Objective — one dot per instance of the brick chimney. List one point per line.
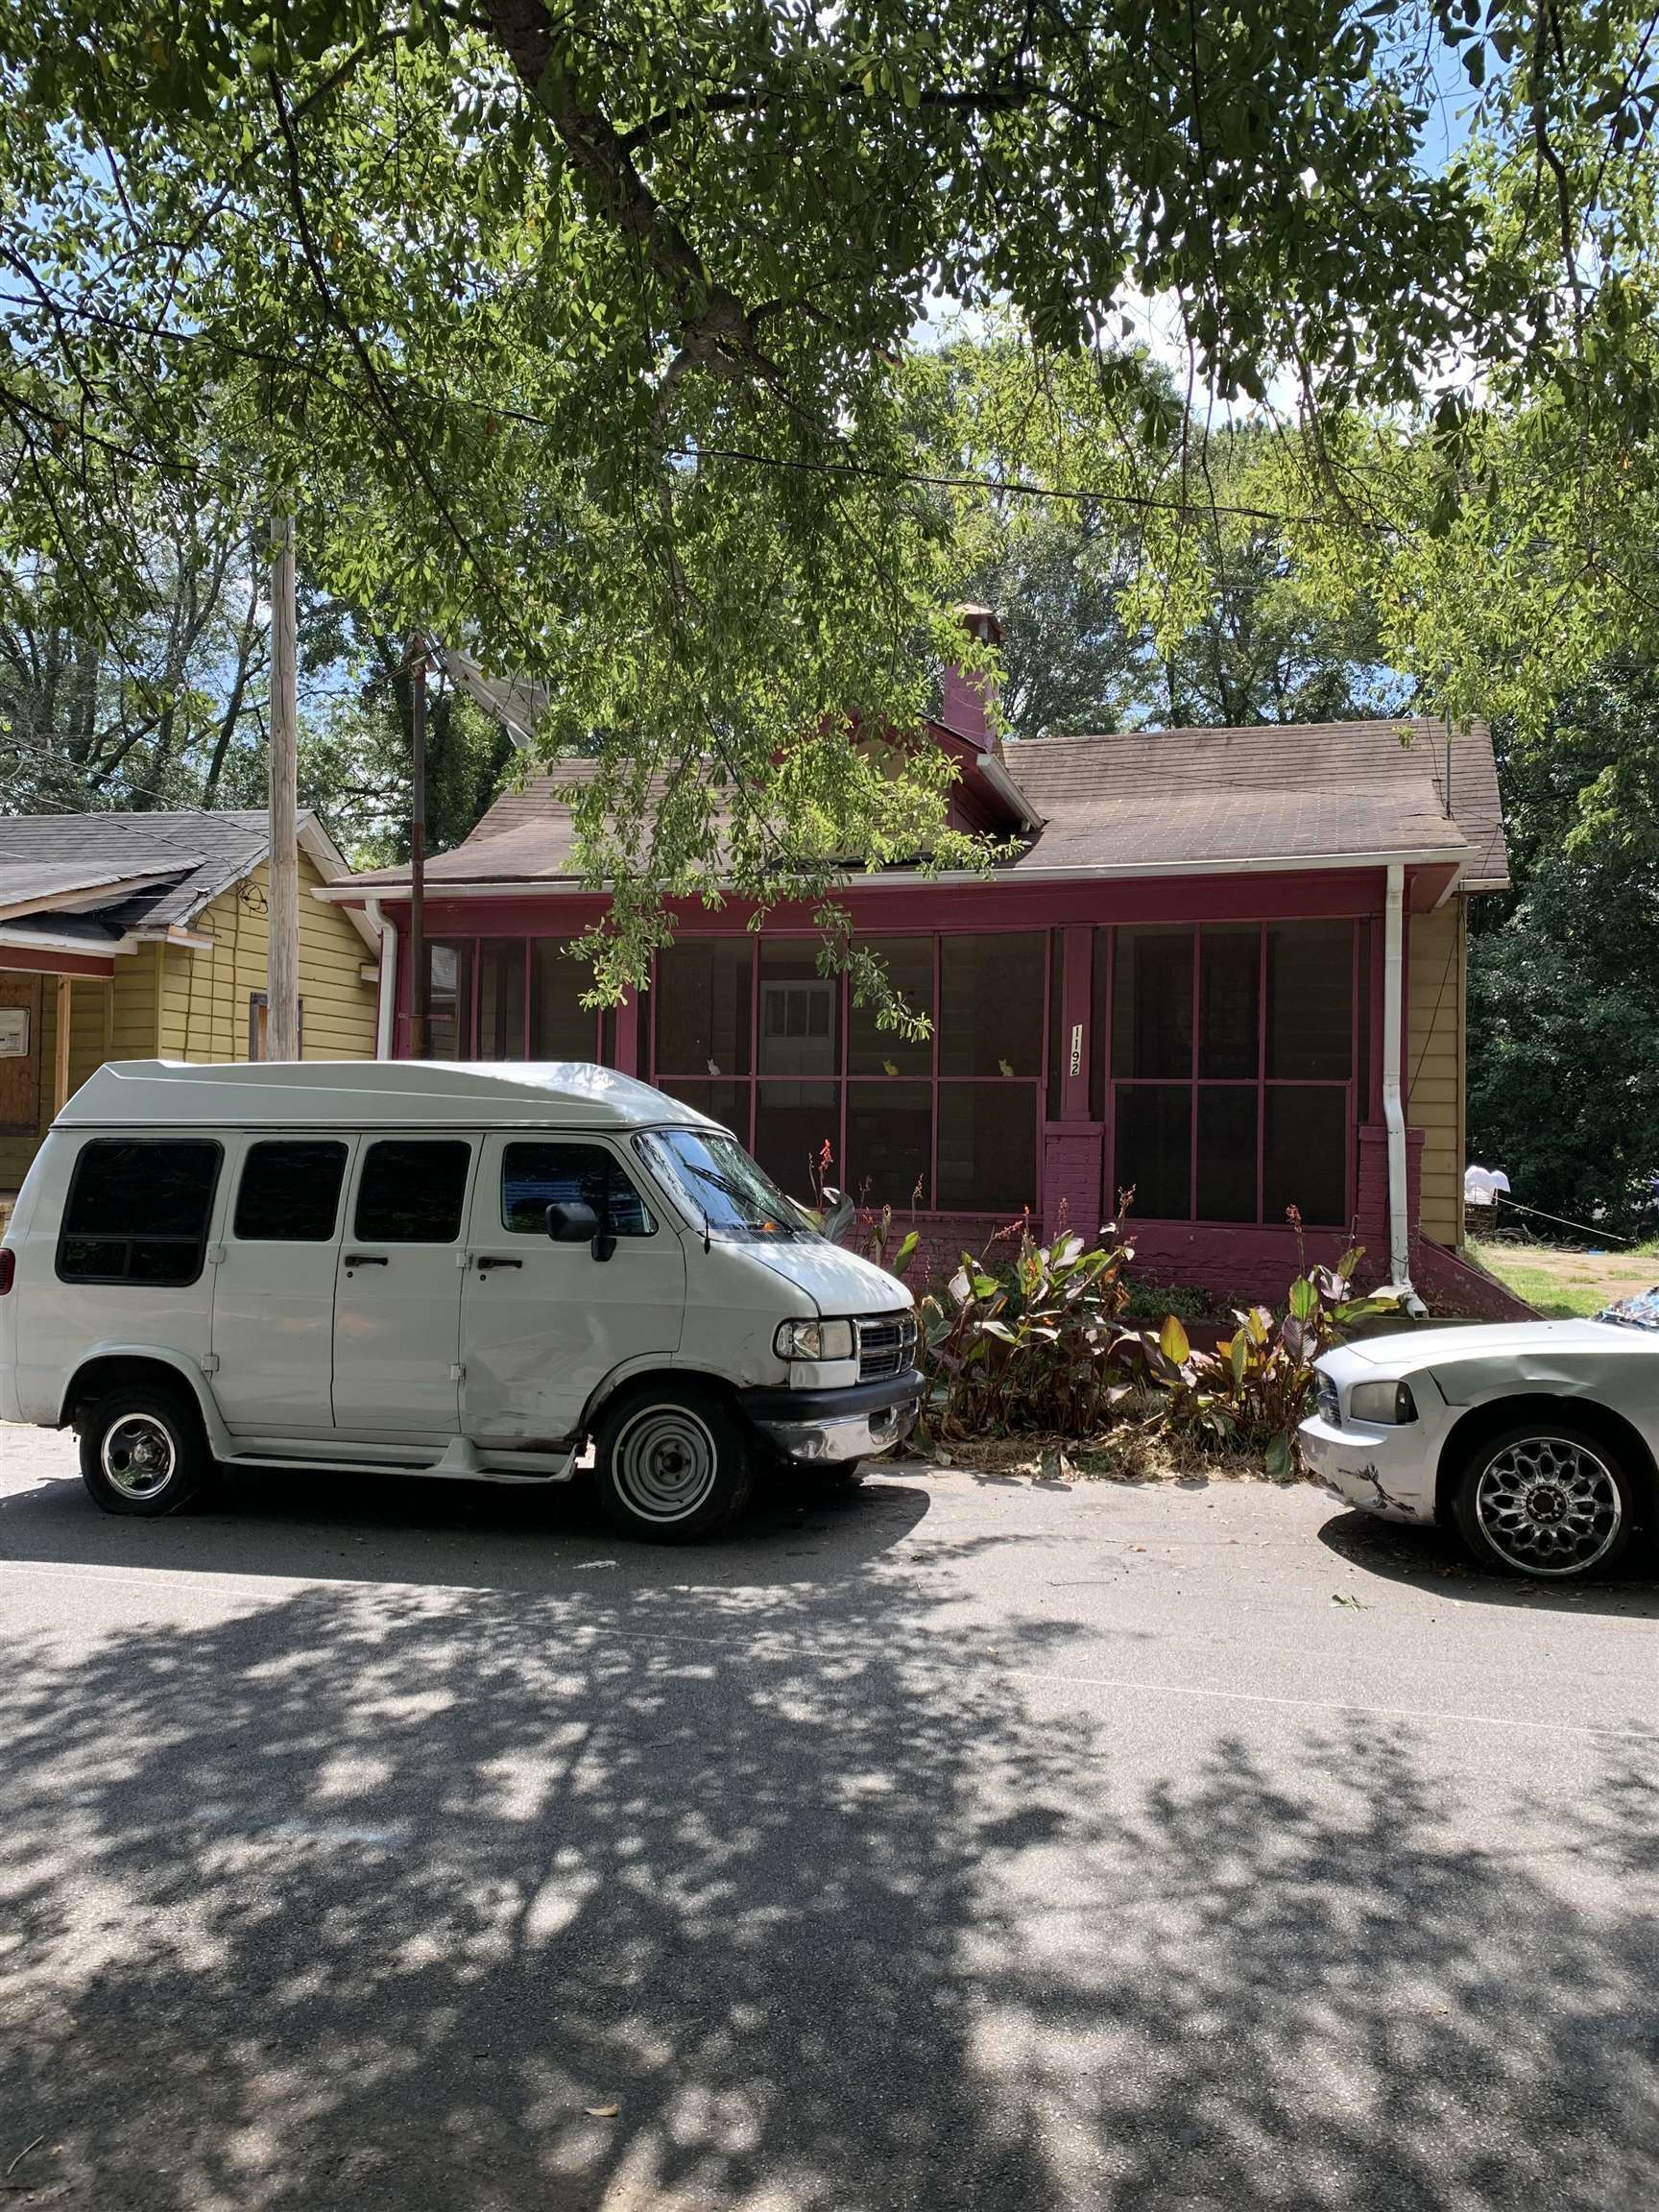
(965, 710)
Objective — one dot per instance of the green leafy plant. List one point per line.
(871, 1230)
(1258, 1384)
(1025, 1342)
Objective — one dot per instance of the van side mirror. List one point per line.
(575, 1222)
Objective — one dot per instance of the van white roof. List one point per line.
(370, 1095)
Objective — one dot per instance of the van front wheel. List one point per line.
(674, 1463)
(142, 1451)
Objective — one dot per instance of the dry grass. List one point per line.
(1563, 1285)
(1133, 1449)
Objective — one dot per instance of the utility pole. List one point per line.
(419, 982)
(282, 949)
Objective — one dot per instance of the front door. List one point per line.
(273, 1277)
(397, 1297)
(543, 1324)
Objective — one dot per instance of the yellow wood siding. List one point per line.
(171, 1002)
(1435, 1062)
(206, 995)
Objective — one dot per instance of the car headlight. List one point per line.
(1386, 1404)
(813, 1340)
(1327, 1399)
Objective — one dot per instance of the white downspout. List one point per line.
(386, 1000)
(1393, 1100)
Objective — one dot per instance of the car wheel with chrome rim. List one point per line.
(673, 1463)
(142, 1451)
(1546, 1500)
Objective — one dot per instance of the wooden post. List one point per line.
(419, 980)
(65, 1020)
(282, 949)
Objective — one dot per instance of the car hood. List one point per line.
(1529, 1351)
(1412, 1350)
(836, 1281)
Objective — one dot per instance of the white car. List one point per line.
(1536, 1440)
(424, 1268)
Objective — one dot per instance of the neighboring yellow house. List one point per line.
(143, 936)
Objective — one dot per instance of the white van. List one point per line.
(428, 1268)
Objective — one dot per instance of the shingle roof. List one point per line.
(1161, 799)
(181, 861)
(1089, 787)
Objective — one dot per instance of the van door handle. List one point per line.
(365, 1259)
(489, 1261)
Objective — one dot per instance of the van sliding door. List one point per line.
(397, 1290)
(274, 1285)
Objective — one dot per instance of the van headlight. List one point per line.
(1385, 1404)
(814, 1340)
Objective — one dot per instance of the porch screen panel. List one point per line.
(992, 1067)
(991, 1003)
(702, 1007)
(1304, 1159)
(1241, 1042)
(450, 998)
(1228, 1117)
(1309, 1001)
(1154, 1156)
(798, 1060)
(727, 1103)
(501, 985)
(986, 1147)
(561, 1026)
(889, 1146)
(752, 1033)
(1152, 1004)
(1311, 988)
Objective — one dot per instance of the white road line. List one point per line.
(1141, 1688)
(252, 1586)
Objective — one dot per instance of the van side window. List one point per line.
(411, 1191)
(290, 1190)
(138, 1210)
(537, 1176)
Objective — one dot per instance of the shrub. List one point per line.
(1258, 1384)
(1025, 1342)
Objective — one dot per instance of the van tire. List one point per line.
(143, 1449)
(673, 1463)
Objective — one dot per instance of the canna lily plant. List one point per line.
(1258, 1384)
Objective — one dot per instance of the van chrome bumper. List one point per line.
(835, 1426)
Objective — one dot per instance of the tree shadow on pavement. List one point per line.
(391, 1530)
(365, 1893)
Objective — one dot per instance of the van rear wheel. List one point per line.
(142, 1451)
(674, 1464)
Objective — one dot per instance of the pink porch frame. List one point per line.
(1074, 1150)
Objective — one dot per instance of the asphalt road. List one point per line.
(975, 1844)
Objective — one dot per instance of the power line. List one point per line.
(504, 411)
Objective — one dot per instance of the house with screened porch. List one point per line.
(1223, 969)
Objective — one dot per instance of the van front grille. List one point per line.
(886, 1345)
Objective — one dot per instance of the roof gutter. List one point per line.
(1276, 864)
(1008, 791)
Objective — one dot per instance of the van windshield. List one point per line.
(721, 1187)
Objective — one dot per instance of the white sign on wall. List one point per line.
(13, 1032)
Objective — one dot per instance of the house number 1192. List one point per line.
(1076, 1048)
